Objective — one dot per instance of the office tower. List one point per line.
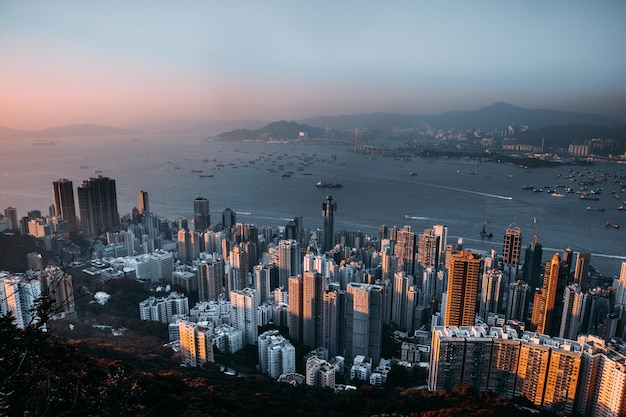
(581, 271)
(512, 244)
(572, 312)
(229, 219)
(143, 203)
(243, 313)
(567, 260)
(97, 200)
(57, 286)
(620, 294)
(294, 229)
(462, 290)
(401, 283)
(64, 205)
(289, 262)
(517, 301)
(210, 273)
(314, 285)
(532, 264)
(363, 321)
(491, 297)
(441, 231)
(201, 216)
(328, 214)
(545, 299)
(196, 343)
(428, 249)
(188, 245)
(295, 293)
(405, 249)
(10, 213)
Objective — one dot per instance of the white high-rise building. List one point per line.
(20, 295)
(289, 262)
(243, 313)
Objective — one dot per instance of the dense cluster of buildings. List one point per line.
(510, 322)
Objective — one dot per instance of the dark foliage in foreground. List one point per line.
(42, 375)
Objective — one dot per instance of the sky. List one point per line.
(125, 62)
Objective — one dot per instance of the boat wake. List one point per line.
(245, 213)
(502, 197)
(408, 216)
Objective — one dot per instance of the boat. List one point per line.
(285, 174)
(588, 197)
(485, 233)
(196, 170)
(558, 195)
(589, 208)
(613, 225)
(97, 171)
(322, 184)
(412, 174)
(621, 208)
(205, 175)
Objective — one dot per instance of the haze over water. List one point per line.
(456, 193)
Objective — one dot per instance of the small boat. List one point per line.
(412, 174)
(322, 184)
(285, 174)
(588, 197)
(205, 175)
(196, 170)
(613, 225)
(589, 208)
(485, 233)
(621, 208)
(558, 195)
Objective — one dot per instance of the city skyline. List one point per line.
(120, 64)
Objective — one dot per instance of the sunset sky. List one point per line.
(123, 62)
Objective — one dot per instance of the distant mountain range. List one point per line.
(540, 122)
(65, 131)
(497, 116)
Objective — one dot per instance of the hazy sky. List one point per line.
(121, 62)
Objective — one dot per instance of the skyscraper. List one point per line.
(581, 271)
(328, 213)
(512, 244)
(229, 219)
(314, 285)
(363, 321)
(97, 200)
(243, 314)
(572, 312)
(201, 216)
(289, 262)
(295, 291)
(463, 279)
(11, 215)
(64, 205)
(143, 204)
(620, 296)
(532, 264)
(491, 295)
(544, 300)
(428, 249)
(405, 249)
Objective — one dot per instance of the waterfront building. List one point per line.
(97, 201)
(143, 203)
(64, 204)
(512, 245)
(328, 216)
(201, 216)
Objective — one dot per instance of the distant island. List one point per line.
(65, 131)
